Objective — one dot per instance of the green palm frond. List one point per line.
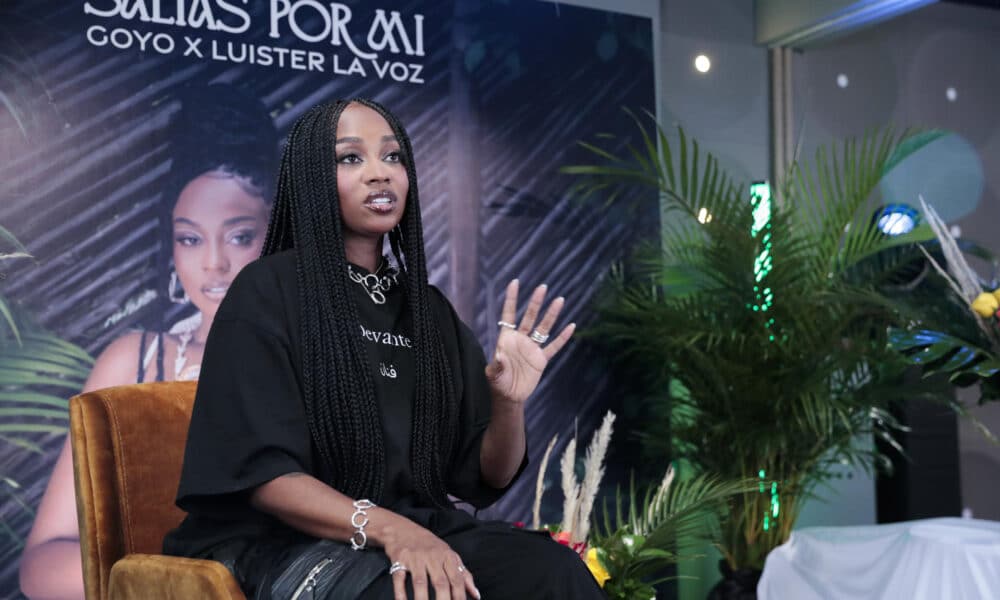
(38, 372)
(837, 193)
(8, 242)
(937, 352)
(638, 537)
(7, 239)
(8, 320)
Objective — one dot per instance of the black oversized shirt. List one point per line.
(249, 425)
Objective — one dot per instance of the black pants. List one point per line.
(509, 563)
(506, 563)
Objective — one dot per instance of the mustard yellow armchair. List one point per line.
(128, 446)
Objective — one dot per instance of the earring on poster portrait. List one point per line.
(172, 290)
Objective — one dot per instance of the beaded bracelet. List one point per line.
(359, 539)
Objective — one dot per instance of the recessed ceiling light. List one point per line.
(702, 63)
(951, 94)
(842, 81)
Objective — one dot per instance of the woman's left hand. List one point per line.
(523, 350)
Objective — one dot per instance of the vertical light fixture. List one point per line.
(760, 228)
(760, 200)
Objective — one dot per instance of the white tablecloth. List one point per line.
(932, 559)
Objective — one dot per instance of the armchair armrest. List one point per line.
(158, 577)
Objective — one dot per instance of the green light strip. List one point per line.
(771, 515)
(760, 199)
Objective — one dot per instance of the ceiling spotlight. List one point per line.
(702, 63)
(842, 81)
(956, 231)
(704, 216)
(896, 219)
(951, 94)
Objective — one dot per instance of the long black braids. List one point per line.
(341, 408)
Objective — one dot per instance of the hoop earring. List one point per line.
(172, 290)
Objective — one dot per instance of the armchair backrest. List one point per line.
(128, 447)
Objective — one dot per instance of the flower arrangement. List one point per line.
(628, 549)
(967, 349)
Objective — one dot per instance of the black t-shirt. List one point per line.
(249, 425)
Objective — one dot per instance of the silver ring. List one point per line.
(539, 337)
(396, 568)
(461, 568)
(506, 324)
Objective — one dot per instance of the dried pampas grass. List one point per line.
(962, 278)
(578, 497)
(536, 510)
(570, 487)
(593, 473)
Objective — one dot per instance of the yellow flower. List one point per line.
(985, 304)
(996, 294)
(596, 568)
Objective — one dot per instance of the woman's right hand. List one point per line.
(429, 563)
(313, 507)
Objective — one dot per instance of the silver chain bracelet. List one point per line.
(359, 539)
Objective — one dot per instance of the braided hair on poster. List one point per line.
(222, 130)
(341, 409)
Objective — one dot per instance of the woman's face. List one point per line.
(219, 227)
(371, 178)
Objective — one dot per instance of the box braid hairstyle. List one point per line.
(341, 409)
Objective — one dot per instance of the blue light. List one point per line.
(897, 219)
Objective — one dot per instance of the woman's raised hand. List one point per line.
(524, 349)
(429, 562)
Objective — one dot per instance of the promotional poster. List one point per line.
(110, 108)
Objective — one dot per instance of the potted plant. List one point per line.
(765, 318)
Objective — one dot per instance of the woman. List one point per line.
(219, 199)
(342, 401)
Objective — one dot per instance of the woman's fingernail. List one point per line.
(544, 286)
(478, 595)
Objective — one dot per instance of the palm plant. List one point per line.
(768, 317)
(38, 372)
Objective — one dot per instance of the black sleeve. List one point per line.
(248, 425)
(469, 363)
